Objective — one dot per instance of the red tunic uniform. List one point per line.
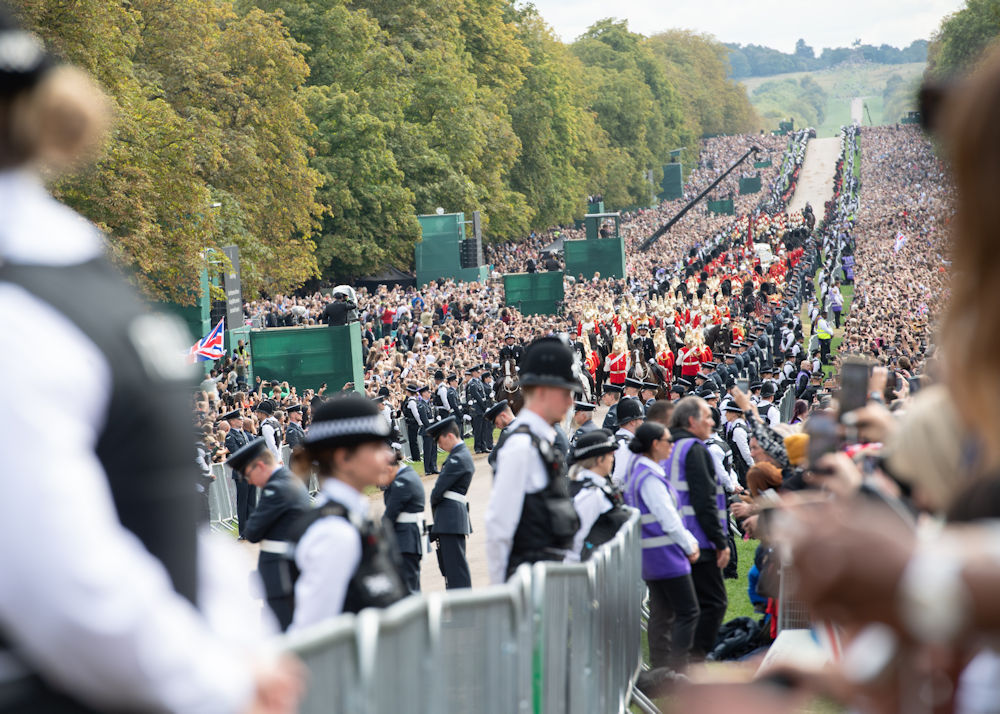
(617, 368)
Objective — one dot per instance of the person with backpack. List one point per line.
(668, 550)
(346, 561)
(597, 502)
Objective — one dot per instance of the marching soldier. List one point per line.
(450, 505)
(294, 433)
(346, 561)
(404, 514)
(531, 516)
(583, 419)
(283, 500)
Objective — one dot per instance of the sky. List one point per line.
(772, 23)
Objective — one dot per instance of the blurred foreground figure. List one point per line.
(99, 607)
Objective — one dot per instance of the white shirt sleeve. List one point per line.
(514, 462)
(740, 439)
(718, 463)
(414, 411)
(589, 503)
(83, 601)
(327, 556)
(660, 504)
(623, 456)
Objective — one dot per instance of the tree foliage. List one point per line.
(311, 133)
(758, 61)
(963, 38)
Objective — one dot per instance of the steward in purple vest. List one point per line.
(702, 504)
(667, 550)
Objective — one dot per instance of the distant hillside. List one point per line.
(758, 61)
(823, 98)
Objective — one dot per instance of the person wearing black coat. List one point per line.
(450, 505)
(283, 499)
(246, 495)
(404, 514)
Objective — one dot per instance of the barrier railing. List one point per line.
(554, 639)
(787, 405)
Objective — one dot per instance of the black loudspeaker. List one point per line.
(471, 253)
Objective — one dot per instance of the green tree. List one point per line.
(963, 38)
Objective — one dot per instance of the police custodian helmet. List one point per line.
(549, 362)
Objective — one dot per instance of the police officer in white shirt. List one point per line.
(102, 563)
(530, 516)
(630, 417)
(346, 561)
(765, 406)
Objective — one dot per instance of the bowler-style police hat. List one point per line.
(346, 420)
(594, 443)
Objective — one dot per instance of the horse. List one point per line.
(508, 387)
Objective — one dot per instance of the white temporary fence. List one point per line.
(554, 639)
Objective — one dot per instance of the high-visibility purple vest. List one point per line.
(678, 479)
(662, 558)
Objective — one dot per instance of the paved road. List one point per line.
(857, 110)
(816, 180)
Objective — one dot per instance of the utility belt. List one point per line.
(418, 520)
(277, 547)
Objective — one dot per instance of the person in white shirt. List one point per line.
(344, 558)
(530, 517)
(630, 416)
(593, 494)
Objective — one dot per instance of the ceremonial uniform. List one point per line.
(478, 404)
(246, 495)
(430, 448)
(450, 508)
(294, 434)
(404, 514)
(514, 352)
(616, 365)
(587, 427)
(282, 501)
(611, 418)
(411, 415)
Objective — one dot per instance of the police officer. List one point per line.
(768, 412)
(270, 429)
(644, 342)
(426, 415)
(454, 402)
(530, 517)
(583, 419)
(648, 395)
(449, 504)
(246, 495)
(346, 561)
(283, 500)
(404, 515)
(440, 399)
(294, 433)
(630, 417)
(511, 350)
(478, 404)
(411, 415)
(100, 545)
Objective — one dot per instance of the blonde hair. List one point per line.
(972, 330)
(59, 122)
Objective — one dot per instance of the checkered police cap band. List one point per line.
(374, 425)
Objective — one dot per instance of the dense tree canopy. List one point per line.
(759, 61)
(311, 133)
(963, 38)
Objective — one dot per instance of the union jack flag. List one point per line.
(210, 347)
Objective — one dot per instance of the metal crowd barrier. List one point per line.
(554, 639)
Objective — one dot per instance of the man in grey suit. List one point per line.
(449, 504)
(404, 513)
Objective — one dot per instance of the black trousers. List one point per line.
(283, 609)
(409, 570)
(413, 436)
(836, 318)
(487, 434)
(430, 455)
(477, 432)
(451, 557)
(246, 502)
(824, 350)
(712, 601)
(673, 616)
